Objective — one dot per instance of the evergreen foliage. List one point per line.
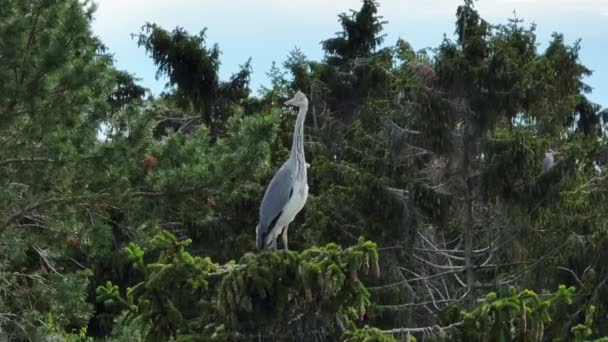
(130, 217)
(273, 294)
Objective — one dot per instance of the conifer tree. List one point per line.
(125, 217)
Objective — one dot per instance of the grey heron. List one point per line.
(549, 160)
(288, 190)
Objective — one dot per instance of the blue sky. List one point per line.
(267, 30)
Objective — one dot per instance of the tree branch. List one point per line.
(406, 305)
(18, 215)
(163, 193)
(50, 201)
(431, 329)
(24, 160)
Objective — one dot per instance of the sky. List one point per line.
(266, 30)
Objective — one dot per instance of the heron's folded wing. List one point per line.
(547, 164)
(277, 194)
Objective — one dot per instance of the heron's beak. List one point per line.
(290, 102)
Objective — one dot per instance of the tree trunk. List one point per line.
(468, 218)
(208, 117)
(312, 104)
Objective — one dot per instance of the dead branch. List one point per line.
(406, 305)
(50, 201)
(25, 160)
(42, 255)
(431, 329)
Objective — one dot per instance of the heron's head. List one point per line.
(298, 100)
(551, 152)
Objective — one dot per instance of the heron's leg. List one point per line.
(273, 244)
(284, 235)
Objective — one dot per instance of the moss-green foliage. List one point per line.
(515, 316)
(268, 293)
(510, 316)
(163, 301)
(582, 331)
(53, 331)
(369, 334)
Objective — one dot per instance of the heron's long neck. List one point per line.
(297, 146)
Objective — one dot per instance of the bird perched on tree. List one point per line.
(549, 160)
(288, 190)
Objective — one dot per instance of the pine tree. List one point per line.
(55, 81)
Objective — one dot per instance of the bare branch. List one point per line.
(418, 278)
(443, 267)
(50, 201)
(42, 255)
(410, 331)
(25, 160)
(406, 305)
(573, 274)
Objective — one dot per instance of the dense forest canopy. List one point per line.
(130, 217)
